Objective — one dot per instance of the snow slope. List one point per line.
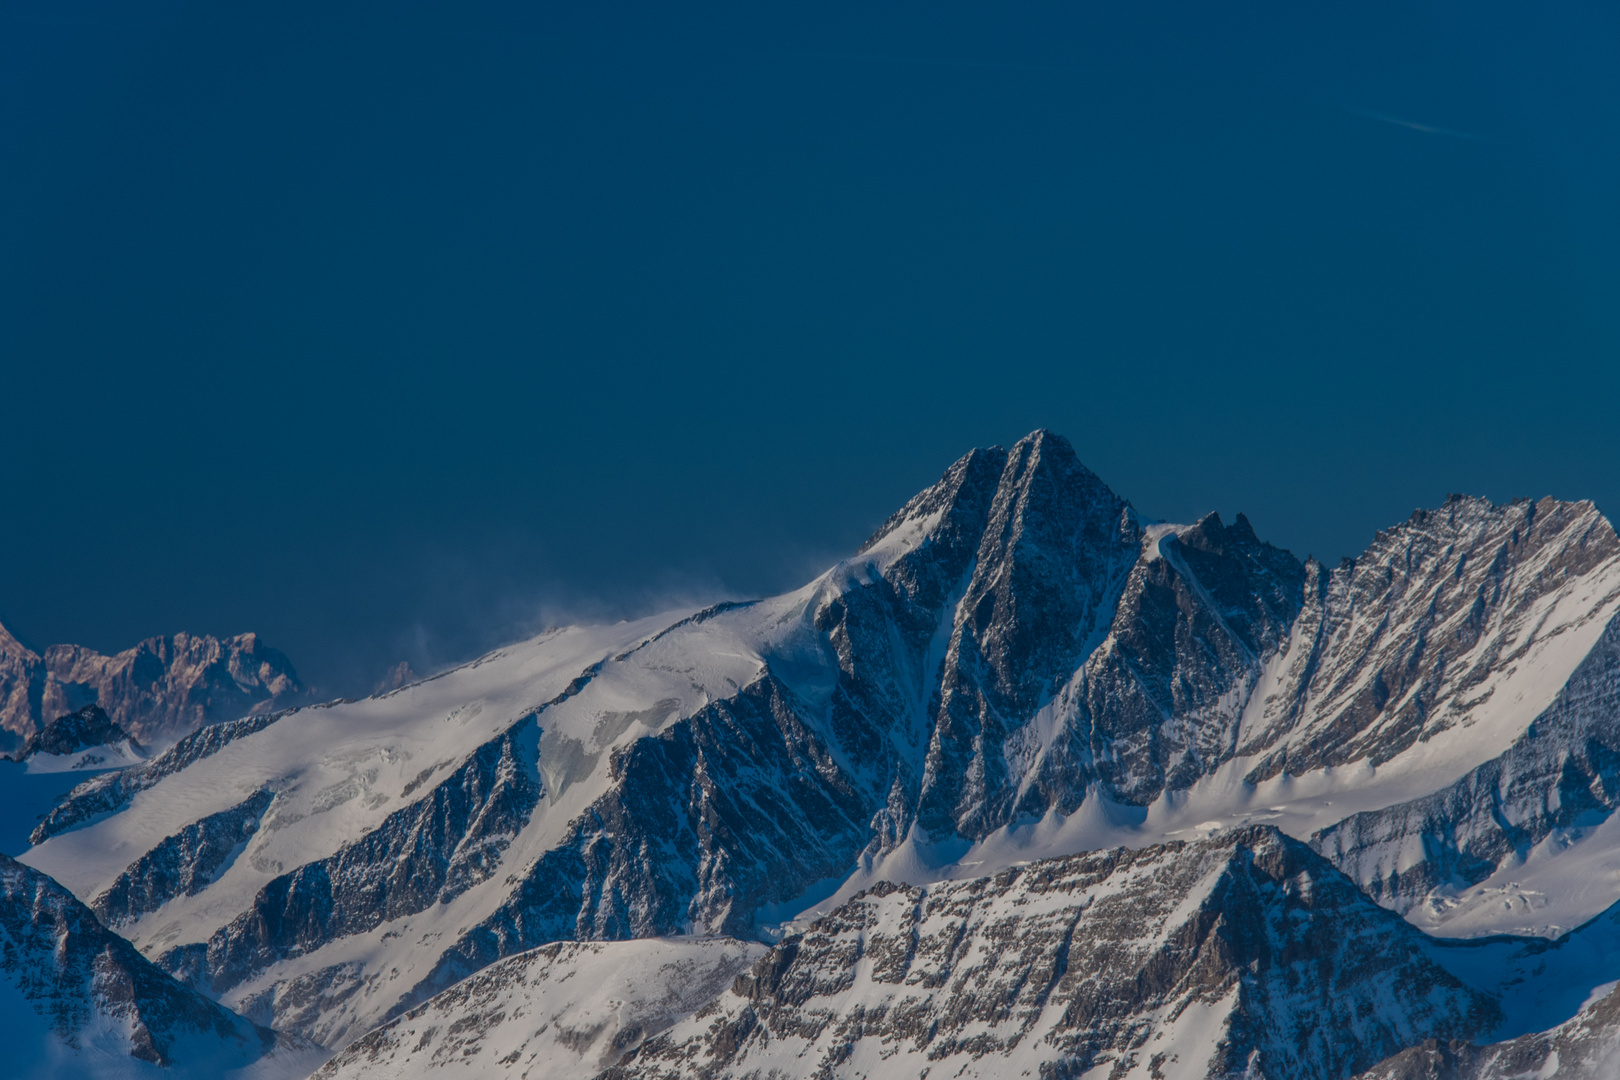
(558, 1012)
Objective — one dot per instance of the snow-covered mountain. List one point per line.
(79, 1001)
(1242, 955)
(1016, 667)
(159, 690)
(83, 741)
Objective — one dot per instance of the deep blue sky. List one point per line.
(394, 331)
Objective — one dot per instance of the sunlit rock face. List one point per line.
(161, 689)
(1410, 639)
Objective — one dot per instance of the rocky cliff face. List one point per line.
(158, 691)
(1051, 561)
(81, 1001)
(183, 864)
(1158, 704)
(1415, 638)
(1560, 776)
(424, 854)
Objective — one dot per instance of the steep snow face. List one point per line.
(559, 1012)
(76, 1000)
(156, 692)
(1441, 642)
(1247, 952)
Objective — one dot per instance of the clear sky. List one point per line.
(394, 330)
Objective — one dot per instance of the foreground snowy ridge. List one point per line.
(1242, 955)
(1015, 667)
(79, 1001)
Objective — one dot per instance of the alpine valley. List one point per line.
(1028, 786)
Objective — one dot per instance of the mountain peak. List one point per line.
(967, 483)
(1057, 548)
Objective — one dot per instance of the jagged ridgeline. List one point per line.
(156, 692)
(1017, 664)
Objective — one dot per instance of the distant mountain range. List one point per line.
(163, 688)
(1028, 785)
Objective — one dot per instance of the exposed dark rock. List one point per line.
(183, 864)
(70, 969)
(74, 732)
(1055, 554)
(425, 853)
(1563, 773)
(111, 792)
(1398, 643)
